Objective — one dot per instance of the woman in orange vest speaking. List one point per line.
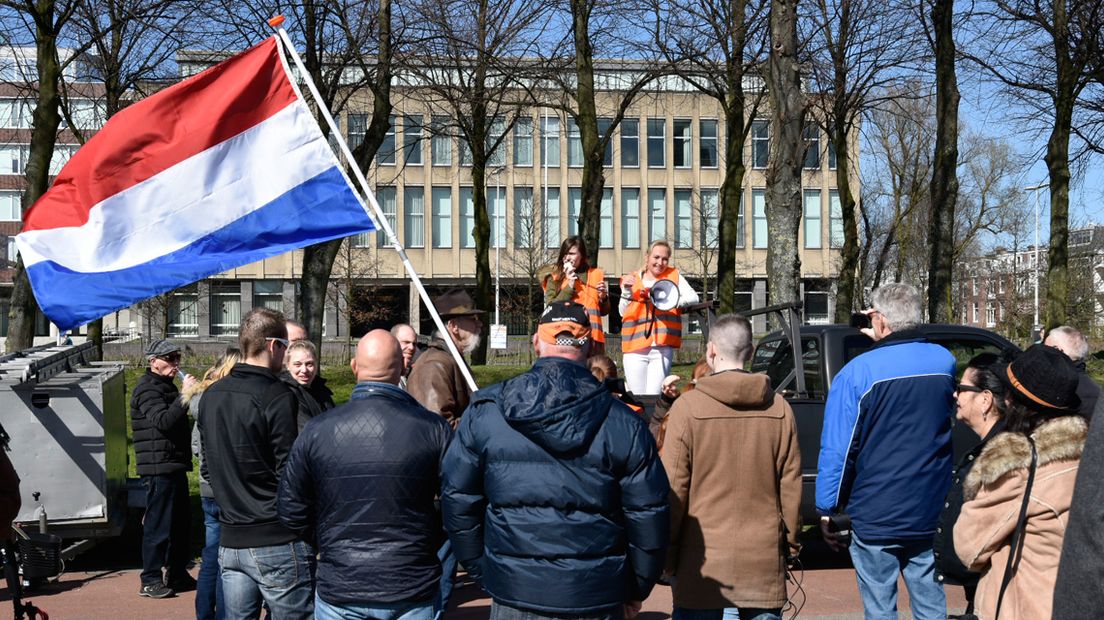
(573, 279)
(649, 336)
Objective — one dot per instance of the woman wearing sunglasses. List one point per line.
(980, 399)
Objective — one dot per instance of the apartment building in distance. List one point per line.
(663, 173)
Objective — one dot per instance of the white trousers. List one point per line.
(646, 369)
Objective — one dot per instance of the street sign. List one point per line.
(498, 336)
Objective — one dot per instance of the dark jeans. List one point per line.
(165, 526)
(505, 612)
(209, 605)
(448, 576)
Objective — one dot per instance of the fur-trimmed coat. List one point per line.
(994, 494)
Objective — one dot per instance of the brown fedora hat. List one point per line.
(456, 303)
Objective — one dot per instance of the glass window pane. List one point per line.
(525, 220)
(386, 196)
(496, 142)
(683, 143)
(442, 142)
(467, 218)
(496, 207)
(709, 217)
(386, 154)
(760, 144)
(630, 143)
(523, 141)
(836, 217)
(603, 128)
(414, 210)
(657, 214)
(605, 224)
(811, 133)
(630, 217)
(684, 223)
(574, 144)
(225, 309)
(707, 150)
(759, 217)
(412, 139)
(812, 218)
(550, 141)
(442, 217)
(574, 207)
(552, 217)
(657, 128)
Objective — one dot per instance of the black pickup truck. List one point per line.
(824, 351)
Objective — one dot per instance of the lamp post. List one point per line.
(1036, 327)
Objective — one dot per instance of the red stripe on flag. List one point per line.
(164, 129)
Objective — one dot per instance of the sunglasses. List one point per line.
(283, 341)
(172, 358)
(962, 387)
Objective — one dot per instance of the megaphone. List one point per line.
(665, 295)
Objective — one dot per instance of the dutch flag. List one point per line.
(225, 168)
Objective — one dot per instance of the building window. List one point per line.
(758, 218)
(811, 133)
(683, 143)
(268, 294)
(657, 214)
(496, 208)
(356, 129)
(550, 141)
(741, 233)
(812, 219)
(184, 312)
(552, 217)
(990, 314)
(831, 155)
(604, 125)
(816, 307)
(525, 220)
(10, 210)
(974, 288)
(465, 152)
(467, 217)
(13, 251)
(574, 144)
(414, 213)
(16, 114)
(760, 144)
(225, 309)
(684, 221)
(657, 129)
(60, 157)
(574, 206)
(976, 315)
(1000, 285)
(710, 217)
(364, 240)
(441, 213)
(523, 141)
(386, 154)
(441, 146)
(412, 139)
(605, 219)
(630, 217)
(630, 143)
(707, 143)
(496, 142)
(13, 158)
(386, 196)
(835, 218)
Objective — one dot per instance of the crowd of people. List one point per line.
(563, 496)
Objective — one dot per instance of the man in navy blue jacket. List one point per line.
(554, 498)
(885, 457)
(361, 482)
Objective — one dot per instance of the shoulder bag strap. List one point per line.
(1016, 551)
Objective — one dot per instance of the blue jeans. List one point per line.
(416, 610)
(208, 603)
(877, 565)
(281, 575)
(500, 611)
(448, 575)
(728, 613)
(165, 527)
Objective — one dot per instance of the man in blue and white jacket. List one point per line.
(885, 457)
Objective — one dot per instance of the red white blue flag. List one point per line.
(225, 168)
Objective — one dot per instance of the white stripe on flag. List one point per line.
(190, 200)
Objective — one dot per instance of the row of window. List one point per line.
(87, 114)
(225, 306)
(440, 138)
(13, 158)
(643, 216)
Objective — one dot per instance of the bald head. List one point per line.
(378, 358)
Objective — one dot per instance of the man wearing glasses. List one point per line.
(162, 438)
(248, 424)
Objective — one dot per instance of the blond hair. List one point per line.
(221, 368)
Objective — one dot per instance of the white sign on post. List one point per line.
(498, 336)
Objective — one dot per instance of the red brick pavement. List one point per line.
(831, 594)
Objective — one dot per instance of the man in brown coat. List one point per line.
(732, 457)
(436, 381)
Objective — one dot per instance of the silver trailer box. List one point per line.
(66, 416)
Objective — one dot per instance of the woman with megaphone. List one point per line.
(651, 319)
(571, 278)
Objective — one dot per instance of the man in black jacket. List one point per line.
(161, 447)
(247, 422)
(361, 482)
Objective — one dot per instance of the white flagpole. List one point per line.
(276, 22)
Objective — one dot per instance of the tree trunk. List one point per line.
(484, 284)
(849, 256)
(21, 318)
(787, 150)
(594, 146)
(1057, 161)
(944, 183)
(732, 189)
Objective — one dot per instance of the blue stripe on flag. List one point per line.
(321, 209)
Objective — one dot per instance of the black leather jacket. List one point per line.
(360, 483)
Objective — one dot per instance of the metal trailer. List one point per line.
(66, 415)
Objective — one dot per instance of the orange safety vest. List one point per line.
(639, 331)
(586, 294)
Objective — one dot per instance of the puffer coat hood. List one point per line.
(553, 495)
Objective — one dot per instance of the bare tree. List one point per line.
(529, 259)
(718, 46)
(788, 104)
(858, 50)
(356, 264)
(477, 66)
(1043, 54)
